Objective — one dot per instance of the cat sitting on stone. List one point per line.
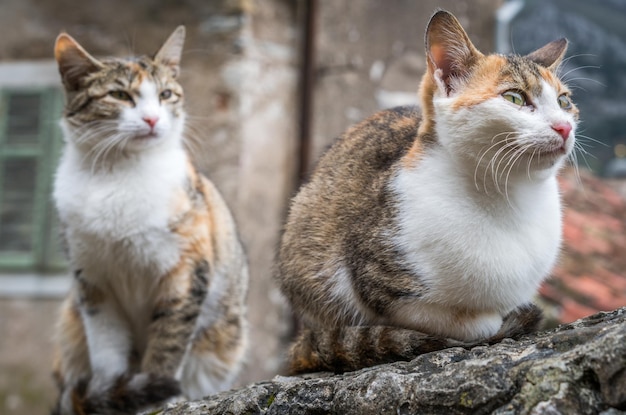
(427, 228)
(157, 308)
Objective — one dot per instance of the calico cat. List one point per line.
(430, 228)
(157, 308)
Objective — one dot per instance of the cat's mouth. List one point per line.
(559, 151)
(554, 149)
(552, 155)
(151, 135)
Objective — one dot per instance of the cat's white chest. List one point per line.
(471, 254)
(117, 221)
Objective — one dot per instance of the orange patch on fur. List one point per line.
(551, 78)
(483, 83)
(194, 227)
(412, 157)
(72, 352)
(426, 92)
(63, 43)
(141, 75)
(402, 123)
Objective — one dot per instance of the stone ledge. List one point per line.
(574, 369)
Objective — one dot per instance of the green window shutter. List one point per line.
(29, 150)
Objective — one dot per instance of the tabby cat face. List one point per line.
(127, 104)
(502, 114)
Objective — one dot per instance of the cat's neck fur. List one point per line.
(512, 193)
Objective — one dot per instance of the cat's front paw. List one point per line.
(152, 389)
(479, 327)
(126, 394)
(170, 403)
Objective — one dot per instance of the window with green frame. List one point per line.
(30, 143)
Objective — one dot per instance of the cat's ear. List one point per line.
(74, 61)
(550, 55)
(170, 53)
(450, 52)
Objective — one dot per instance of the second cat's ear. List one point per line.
(74, 61)
(550, 55)
(171, 51)
(450, 52)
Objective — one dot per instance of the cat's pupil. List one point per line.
(515, 97)
(166, 94)
(564, 102)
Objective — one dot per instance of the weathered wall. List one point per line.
(265, 81)
(25, 360)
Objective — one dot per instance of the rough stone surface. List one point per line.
(578, 368)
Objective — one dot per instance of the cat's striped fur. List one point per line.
(427, 228)
(157, 308)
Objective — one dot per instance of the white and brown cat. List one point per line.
(426, 228)
(157, 308)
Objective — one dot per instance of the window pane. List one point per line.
(23, 116)
(18, 203)
(55, 258)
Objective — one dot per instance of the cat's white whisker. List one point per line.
(483, 153)
(578, 55)
(499, 157)
(584, 153)
(595, 81)
(507, 158)
(529, 164)
(574, 162)
(101, 151)
(512, 164)
(563, 76)
(586, 137)
(578, 87)
(507, 133)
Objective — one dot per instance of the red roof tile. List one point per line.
(591, 275)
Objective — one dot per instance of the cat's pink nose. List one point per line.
(563, 128)
(151, 121)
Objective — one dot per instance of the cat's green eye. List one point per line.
(166, 94)
(564, 102)
(121, 95)
(515, 97)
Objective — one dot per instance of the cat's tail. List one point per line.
(128, 395)
(351, 348)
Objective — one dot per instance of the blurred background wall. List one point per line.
(269, 84)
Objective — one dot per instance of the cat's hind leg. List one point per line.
(71, 360)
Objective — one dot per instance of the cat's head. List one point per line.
(115, 103)
(501, 114)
